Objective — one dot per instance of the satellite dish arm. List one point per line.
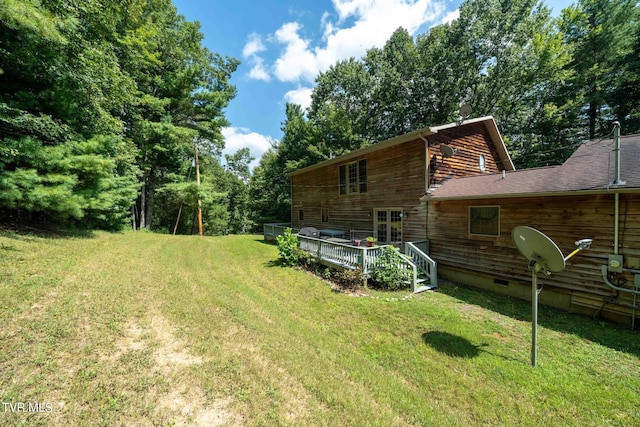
(581, 244)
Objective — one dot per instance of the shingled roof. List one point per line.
(591, 168)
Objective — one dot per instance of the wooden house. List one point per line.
(455, 186)
(378, 190)
(470, 221)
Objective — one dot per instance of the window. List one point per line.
(324, 214)
(301, 214)
(353, 177)
(484, 220)
(482, 163)
(362, 175)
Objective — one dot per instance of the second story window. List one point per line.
(353, 177)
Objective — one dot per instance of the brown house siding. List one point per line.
(496, 264)
(395, 179)
(470, 142)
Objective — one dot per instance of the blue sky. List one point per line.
(284, 44)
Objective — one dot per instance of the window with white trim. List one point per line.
(353, 177)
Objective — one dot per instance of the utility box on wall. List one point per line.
(615, 263)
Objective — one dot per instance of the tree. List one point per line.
(182, 90)
(627, 92)
(96, 95)
(269, 190)
(61, 156)
(600, 33)
(236, 182)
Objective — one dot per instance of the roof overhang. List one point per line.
(610, 190)
(419, 134)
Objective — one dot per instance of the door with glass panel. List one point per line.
(388, 225)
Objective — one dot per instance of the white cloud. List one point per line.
(258, 72)
(298, 61)
(250, 51)
(300, 96)
(373, 23)
(451, 16)
(237, 138)
(254, 45)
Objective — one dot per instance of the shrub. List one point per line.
(289, 249)
(388, 272)
(350, 279)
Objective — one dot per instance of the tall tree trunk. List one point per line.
(150, 199)
(593, 117)
(133, 217)
(143, 205)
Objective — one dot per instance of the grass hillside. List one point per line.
(145, 329)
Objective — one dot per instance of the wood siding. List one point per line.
(471, 142)
(496, 264)
(396, 178)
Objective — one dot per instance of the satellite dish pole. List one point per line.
(543, 255)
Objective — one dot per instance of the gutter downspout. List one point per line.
(427, 179)
(426, 161)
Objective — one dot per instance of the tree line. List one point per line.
(103, 102)
(550, 83)
(101, 106)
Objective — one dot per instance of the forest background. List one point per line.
(103, 103)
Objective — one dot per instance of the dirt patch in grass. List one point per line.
(178, 403)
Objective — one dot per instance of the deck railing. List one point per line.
(273, 230)
(353, 257)
(422, 260)
(341, 254)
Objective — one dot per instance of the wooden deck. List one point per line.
(347, 256)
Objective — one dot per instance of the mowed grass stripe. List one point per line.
(262, 344)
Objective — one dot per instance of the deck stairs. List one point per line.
(426, 274)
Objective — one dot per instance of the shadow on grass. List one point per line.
(266, 242)
(451, 345)
(25, 232)
(615, 336)
(276, 263)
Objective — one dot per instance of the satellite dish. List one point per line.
(538, 248)
(544, 255)
(465, 111)
(447, 151)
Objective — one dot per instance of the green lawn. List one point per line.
(144, 329)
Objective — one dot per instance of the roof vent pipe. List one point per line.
(616, 140)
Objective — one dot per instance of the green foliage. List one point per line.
(289, 248)
(269, 190)
(94, 180)
(601, 36)
(101, 101)
(388, 272)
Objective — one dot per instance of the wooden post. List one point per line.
(199, 201)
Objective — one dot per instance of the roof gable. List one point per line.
(503, 155)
